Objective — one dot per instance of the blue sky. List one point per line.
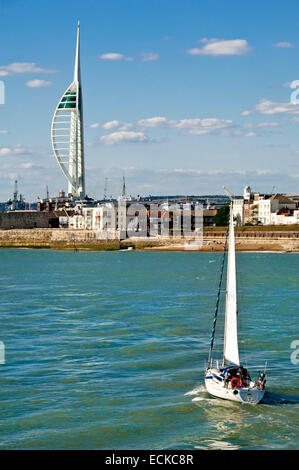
(183, 96)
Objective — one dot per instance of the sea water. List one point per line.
(106, 350)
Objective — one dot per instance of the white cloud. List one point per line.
(38, 83)
(115, 56)
(163, 180)
(149, 56)
(246, 112)
(30, 166)
(285, 44)
(111, 56)
(124, 137)
(125, 126)
(195, 172)
(266, 172)
(95, 125)
(192, 126)
(22, 67)
(152, 122)
(27, 165)
(268, 107)
(204, 126)
(221, 47)
(121, 126)
(111, 125)
(267, 124)
(4, 151)
(3, 132)
(16, 150)
(271, 107)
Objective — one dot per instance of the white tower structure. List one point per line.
(247, 193)
(67, 132)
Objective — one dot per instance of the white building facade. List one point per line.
(268, 208)
(238, 211)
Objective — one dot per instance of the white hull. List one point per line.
(251, 394)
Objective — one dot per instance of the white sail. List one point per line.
(231, 350)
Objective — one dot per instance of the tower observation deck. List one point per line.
(67, 132)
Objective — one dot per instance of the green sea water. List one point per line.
(106, 350)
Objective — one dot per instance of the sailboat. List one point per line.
(231, 380)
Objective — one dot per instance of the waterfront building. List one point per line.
(99, 218)
(269, 205)
(285, 217)
(264, 209)
(208, 217)
(67, 132)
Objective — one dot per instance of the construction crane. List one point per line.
(228, 193)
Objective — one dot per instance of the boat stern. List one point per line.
(216, 387)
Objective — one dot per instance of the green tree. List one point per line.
(222, 217)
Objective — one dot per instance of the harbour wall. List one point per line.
(27, 220)
(67, 239)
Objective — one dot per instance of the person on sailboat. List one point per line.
(230, 375)
(237, 377)
(244, 376)
(262, 381)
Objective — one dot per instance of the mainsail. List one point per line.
(231, 350)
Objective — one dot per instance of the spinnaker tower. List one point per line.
(67, 132)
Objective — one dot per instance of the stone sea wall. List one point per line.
(66, 239)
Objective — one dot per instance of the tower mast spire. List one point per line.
(77, 71)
